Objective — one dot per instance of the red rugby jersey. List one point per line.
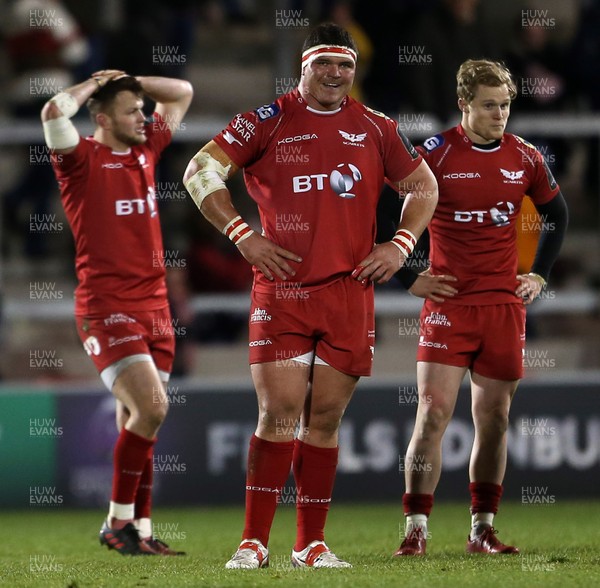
(316, 178)
(473, 230)
(110, 202)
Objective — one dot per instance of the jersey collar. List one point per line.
(485, 148)
(103, 146)
(304, 104)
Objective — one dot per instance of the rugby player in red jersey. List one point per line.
(314, 162)
(108, 192)
(473, 318)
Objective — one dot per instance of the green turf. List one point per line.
(56, 547)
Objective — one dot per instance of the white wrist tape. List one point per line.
(208, 179)
(60, 133)
(66, 103)
(405, 241)
(237, 230)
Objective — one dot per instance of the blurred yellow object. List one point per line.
(341, 14)
(529, 227)
(365, 54)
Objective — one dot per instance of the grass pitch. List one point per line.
(560, 546)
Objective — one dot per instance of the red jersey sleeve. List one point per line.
(244, 137)
(422, 151)
(542, 187)
(74, 165)
(400, 158)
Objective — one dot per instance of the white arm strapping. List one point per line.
(60, 133)
(208, 179)
(66, 103)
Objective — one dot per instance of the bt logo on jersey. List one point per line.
(127, 207)
(304, 183)
(341, 180)
(137, 205)
(499, 217)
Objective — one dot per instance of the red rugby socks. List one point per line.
(417, 503)
(269, 465)
(131, 456)
(314, 472)
(485, 498)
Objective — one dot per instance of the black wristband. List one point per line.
(406, 277)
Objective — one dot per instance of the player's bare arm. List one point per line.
(60, 133)
(204, 179)
(421, 199)
(172, 96)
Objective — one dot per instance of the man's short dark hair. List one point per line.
(103, 99)
(329, 34)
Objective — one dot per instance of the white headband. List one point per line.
(328, 51)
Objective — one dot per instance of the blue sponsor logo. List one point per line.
(433, 142)
(267, 111)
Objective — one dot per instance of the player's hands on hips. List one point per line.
(432, 287)
(268, 257)
(528, 288)
(380, 265)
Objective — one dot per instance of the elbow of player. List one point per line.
(187, 88)
(182, 91)
(435, 194)
(190, 171)
(50, 111)
(430, 192)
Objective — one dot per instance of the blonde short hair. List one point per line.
(474, 72)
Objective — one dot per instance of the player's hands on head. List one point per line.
(380, 265)
(529, 287)
(436, 288)
(268, 257)
(103, 76)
